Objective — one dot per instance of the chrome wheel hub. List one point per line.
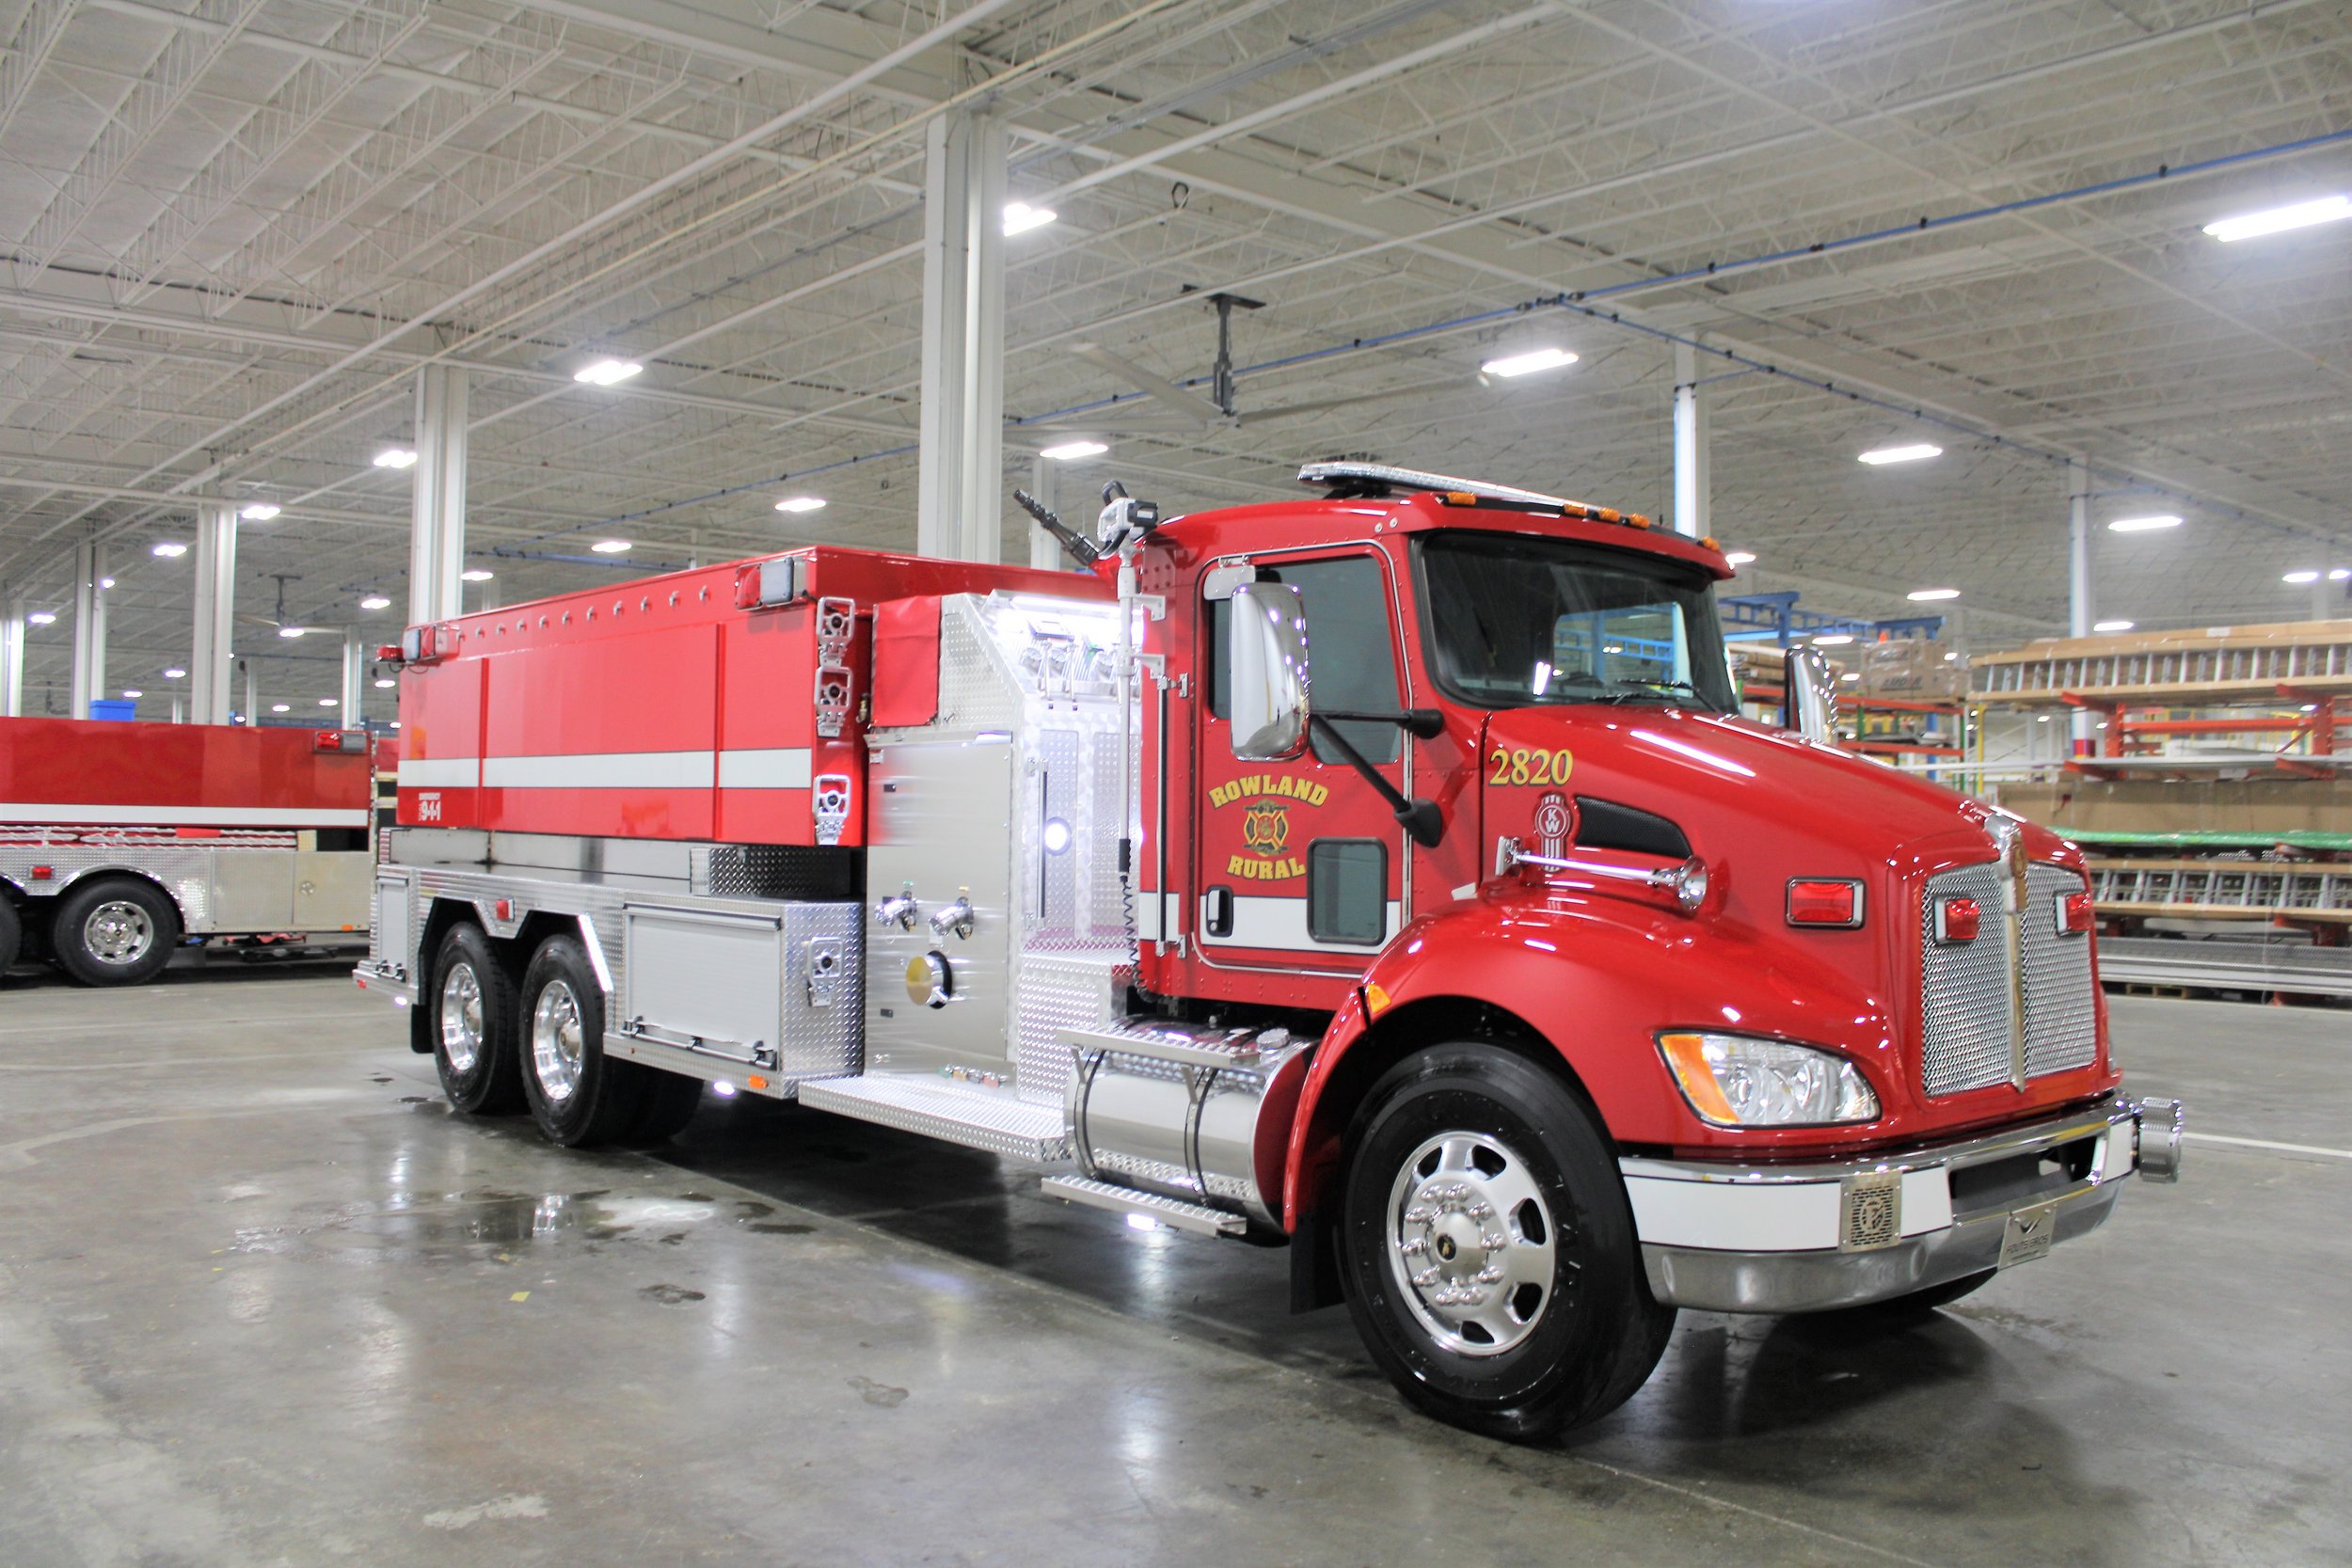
(461, 1017)
(555, 1041)
(1472, 1247)
(118, 932)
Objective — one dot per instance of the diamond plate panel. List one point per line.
(1060, 992)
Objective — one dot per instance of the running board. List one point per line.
(976, 1118)
(1171, 1211)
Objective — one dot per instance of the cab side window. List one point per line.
(1351, 643)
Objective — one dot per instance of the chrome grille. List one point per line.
(1964, 987)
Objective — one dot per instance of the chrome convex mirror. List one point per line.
(1809, 694)
(1265, 655)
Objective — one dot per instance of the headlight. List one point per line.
(1734, 1080)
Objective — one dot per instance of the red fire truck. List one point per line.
(1484, 957)
(119, 842)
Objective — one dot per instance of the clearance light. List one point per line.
(1529, 363)
(2144, 525)
(607, 372)
(1917, 454)
(168, 549)
(479, 573)
(1824, 901)
(376, 601)
(395, 457)
(1958, 919)
(1069, 452)
(800, 503)
(1736, 1081)
(2111, 625)
(1020, 217)
(609, 546)
(724, 1089)
(2074, 913)
(262, 511)
(2278, 220)
(1925, 596)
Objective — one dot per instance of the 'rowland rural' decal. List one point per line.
(1265, 823)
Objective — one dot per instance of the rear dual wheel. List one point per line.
(1489, 1251)
(470, 1020)
(11, 932)
(579, 1095)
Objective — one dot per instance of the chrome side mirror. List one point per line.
(1809, 695)
(1265, 657)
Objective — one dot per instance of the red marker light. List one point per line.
(2074, 913)
(1821, 901)
(1958, 919)
(42, 873)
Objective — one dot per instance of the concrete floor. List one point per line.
(263, 1300)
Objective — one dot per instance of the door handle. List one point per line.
(1219, 920)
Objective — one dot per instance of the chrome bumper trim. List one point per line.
(1951, 1155)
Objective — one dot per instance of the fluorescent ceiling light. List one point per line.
(168, 549)
(292, 631)
(329, 701)
(2144, 525)
(1529, 363)
(1742, 558)
(2277, 221)
(2291, 576)
(40, 618)
(175, 673)
(395, 457)
(802, 504)
(2111, 625)
(1901, 455)
(1832, 640)
(279, 707)
(262, 511)
(1020, 217)
(477, 575)
(1922, 595)
(1071, 450)
(2339, 573)
(385, 683)
(106, 582)
(133, 692)
(609, 546)
(376, 601)
(607, 372)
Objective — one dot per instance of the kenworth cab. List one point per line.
(1387, 874)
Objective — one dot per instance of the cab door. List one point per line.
(1300, 865)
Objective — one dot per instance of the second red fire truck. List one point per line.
(1388, 874)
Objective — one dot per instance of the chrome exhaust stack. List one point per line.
(2156, 1132)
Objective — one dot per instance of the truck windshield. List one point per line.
(1512, 620)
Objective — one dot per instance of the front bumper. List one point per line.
(1726, 1238)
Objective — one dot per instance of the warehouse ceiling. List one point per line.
(235, 228)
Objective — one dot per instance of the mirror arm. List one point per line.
(1422, 723)
(1420, 819)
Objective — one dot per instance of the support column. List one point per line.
(89, 627)
(355, 678)
(209, 687)
(1693, 488)
(1045, 552)
(252, 692)
(12, 655)
(2081, 605)
(437, 547)
(959, 508)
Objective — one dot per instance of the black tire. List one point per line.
(113, 931)
(1918, 1303)
(11, 932)
(668, 1102)
(579, 1096)
(474, 1049)
(1580, 1331)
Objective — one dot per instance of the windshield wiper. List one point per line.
(1638, 691)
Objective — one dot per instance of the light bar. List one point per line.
(2111, 625)
(478, 573)
(1071, 450)
(168, 549)
(1925, 596)
(1528, 363)
(2278, 220)
(395, 457)
(2144, 525)
(1020, 217)
(376, 601)
(607, 372)
(610, 547)
(1917, 454)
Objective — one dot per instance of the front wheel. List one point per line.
(1488, 1252)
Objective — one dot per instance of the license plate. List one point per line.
(2028, 1234)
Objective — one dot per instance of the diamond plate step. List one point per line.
(1173, 1212)
(976, 1118)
